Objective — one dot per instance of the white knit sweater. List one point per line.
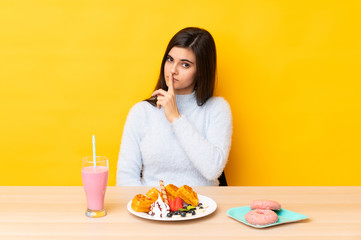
(193, 150)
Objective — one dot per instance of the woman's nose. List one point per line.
(173, 70)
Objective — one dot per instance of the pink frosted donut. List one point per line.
(265, 204)
(261, 217)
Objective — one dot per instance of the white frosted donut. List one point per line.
(261, 217)
(265, 204)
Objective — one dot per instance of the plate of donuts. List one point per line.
(260, 215)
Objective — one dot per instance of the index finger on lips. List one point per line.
(170, 84)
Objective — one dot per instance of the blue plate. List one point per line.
(284, 216)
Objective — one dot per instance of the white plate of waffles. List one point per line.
(209, 206)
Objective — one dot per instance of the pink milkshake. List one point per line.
(95, 184)
(95, 180)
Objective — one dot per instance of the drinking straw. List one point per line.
(94, 151)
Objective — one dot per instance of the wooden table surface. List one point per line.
(58, 213)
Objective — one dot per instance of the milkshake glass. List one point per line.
(95, 180)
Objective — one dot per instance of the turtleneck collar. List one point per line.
(185, 102)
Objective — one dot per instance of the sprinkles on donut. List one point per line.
(262, 212)
(261, 217)
(265, 204)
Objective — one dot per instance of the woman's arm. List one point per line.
(208, 153)
(130, 158)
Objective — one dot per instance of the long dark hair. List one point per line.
(201, 42)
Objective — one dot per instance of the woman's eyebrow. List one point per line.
(186, 60)
(183, 60)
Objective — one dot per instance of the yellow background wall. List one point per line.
(289, 69)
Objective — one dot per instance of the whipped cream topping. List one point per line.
(159, 208)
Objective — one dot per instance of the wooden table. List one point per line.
(58, 213)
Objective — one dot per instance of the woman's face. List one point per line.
(181, 63)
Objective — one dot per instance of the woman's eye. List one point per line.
(169, 59)
(186, 65)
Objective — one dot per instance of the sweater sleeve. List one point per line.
(208, 152)
(130, 159)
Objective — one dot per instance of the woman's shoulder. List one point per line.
(141, 105)
(218, 107)
(141, 108)
(218, 103)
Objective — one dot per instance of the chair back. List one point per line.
(222, 180)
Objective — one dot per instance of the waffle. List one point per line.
(171, 191)
(153, 194)
(187, 194)
(141, 203)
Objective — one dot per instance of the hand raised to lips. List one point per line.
(170, 84)
(166, 99)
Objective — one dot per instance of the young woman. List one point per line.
(181, 134)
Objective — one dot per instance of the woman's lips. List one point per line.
(174, 79)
